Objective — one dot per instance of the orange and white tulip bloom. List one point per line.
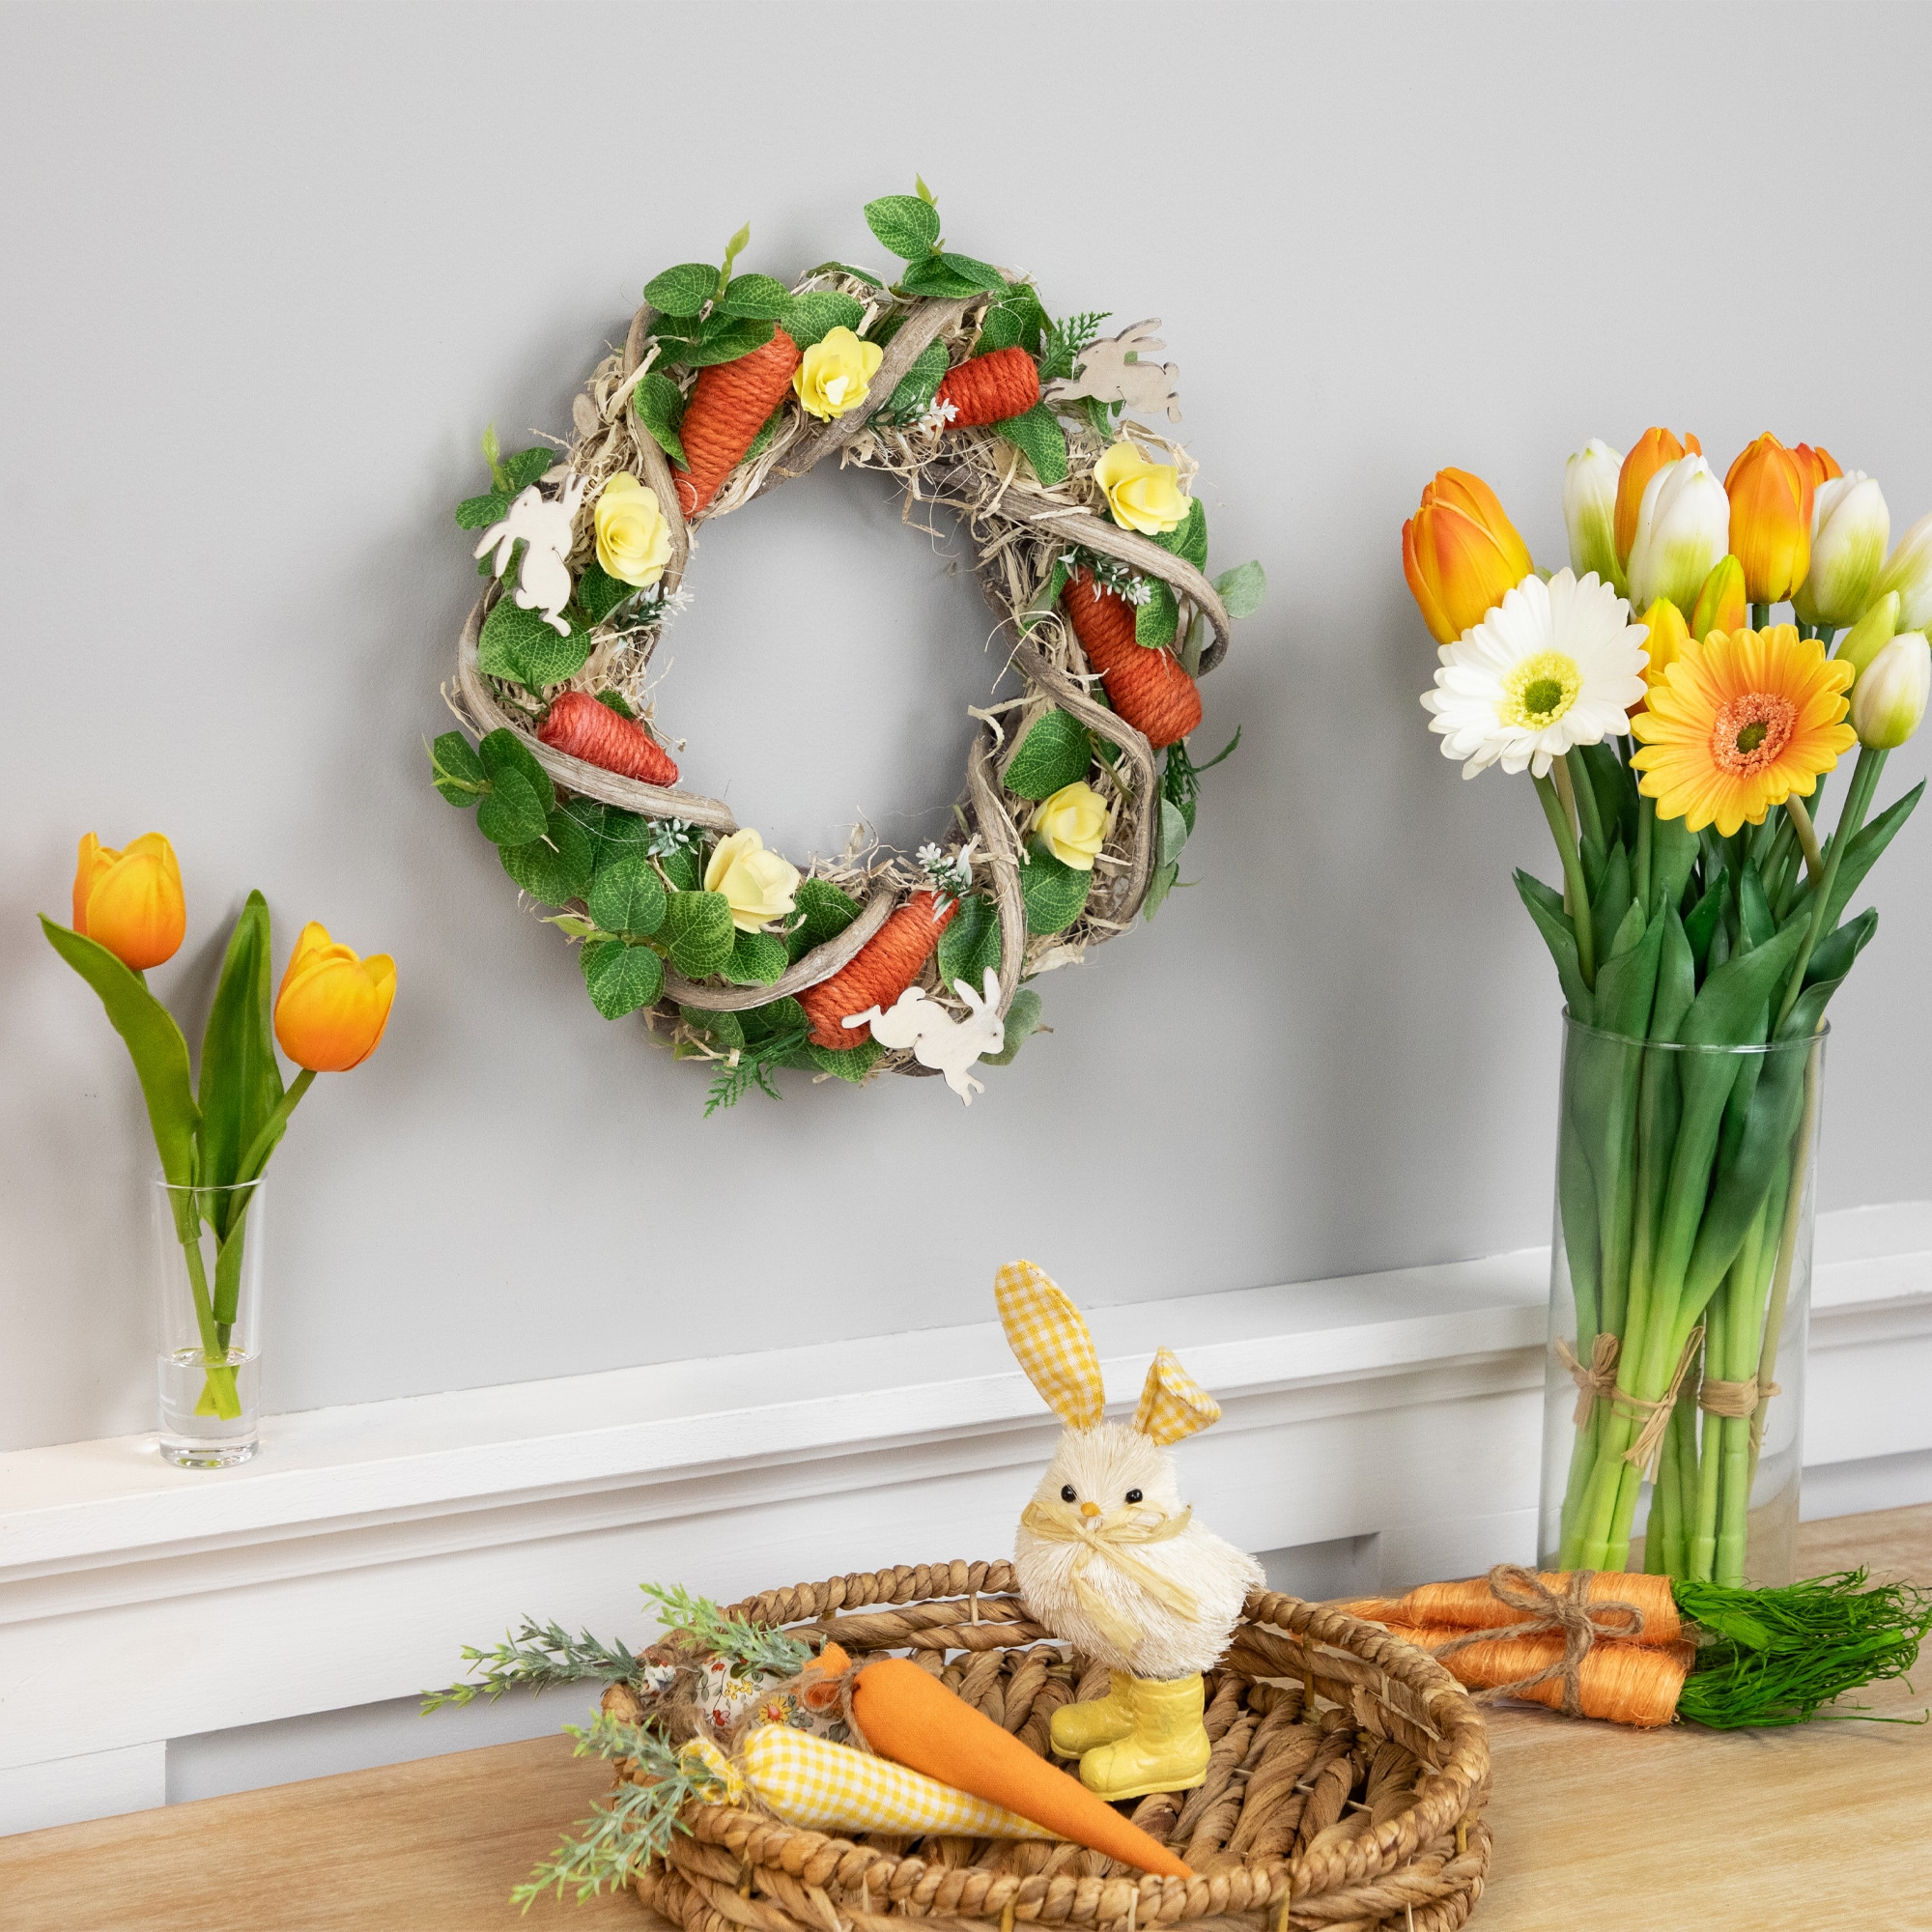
(1655, 447)
(1461, 553)
(130, 901)
(1771, 490)
(334, 1004)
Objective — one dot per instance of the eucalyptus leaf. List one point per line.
(620, 978)
(1242, 589)
(904, 224)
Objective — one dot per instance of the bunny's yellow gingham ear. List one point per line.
(1050, 1342)
(1173, 1404)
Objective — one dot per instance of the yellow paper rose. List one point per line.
(759, 885)
(1143, 495)
(1073, 823)
(837, 374)
(633, 538)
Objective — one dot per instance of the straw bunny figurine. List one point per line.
(1111, 1560)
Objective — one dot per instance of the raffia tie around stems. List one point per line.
(1109, 1538)
(1735, 1401)
(1649, 1443)
(1598, 1382)
(1582, 1624)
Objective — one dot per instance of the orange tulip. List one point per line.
(130, 901)
(1461, 553)
(1721, 603)
(1771, 491)
(1821, 463)
(1655, 447)
(334, 1004)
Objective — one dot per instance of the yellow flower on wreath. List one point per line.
(1072, 824)
(758, 886)
(633, 538)
(836, 375)
(1738, 724)
(1143, 495)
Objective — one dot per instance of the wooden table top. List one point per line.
(1824, 1826)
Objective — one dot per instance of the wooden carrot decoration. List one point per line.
(578, 725)
(1147, 687)
(989, 388)
(889, 962)
(728, 408)
(1646, 1649)
(910, 1717)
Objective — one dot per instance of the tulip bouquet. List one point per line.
(214, 1138)
(1681, 758)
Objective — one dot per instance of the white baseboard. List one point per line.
(1377, 1430)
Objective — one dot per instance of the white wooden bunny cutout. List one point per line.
(1110, 1558)
(544, 528)
(936, 1039)
(1112, 370)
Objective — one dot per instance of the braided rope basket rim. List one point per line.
(1423, 1866)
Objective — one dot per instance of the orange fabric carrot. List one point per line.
(989, 388)
(580, 726)
(1624, 1683)
(910, 1717)
(888, 963)
(1147, 687)
(728, 409)
(1473, 1606)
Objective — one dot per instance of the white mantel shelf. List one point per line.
(1395, 1417)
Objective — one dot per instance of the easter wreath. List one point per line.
(954, 382)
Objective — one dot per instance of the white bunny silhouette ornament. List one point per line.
(544, 528)
(936, 1039)
(1111, 1559)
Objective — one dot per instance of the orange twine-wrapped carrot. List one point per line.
(989, 388)
(888, 963)
(728, 409)
(578, 725)
(1147, 687)
(1473, 1604)
(1626, 1683)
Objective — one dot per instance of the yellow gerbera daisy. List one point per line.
(1738, 724)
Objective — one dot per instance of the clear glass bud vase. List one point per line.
(1679, 1298)
(207, 1244)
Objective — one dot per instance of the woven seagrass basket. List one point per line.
(1345, 1789)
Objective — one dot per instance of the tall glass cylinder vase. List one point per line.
(207, 1244)
(1679, 1300)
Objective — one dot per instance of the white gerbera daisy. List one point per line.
(1554, 665)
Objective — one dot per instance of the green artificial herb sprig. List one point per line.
(751, 1644)
(756, 1060)
(533, 1658)
(1067, 339)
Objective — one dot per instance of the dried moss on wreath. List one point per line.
(953, 381)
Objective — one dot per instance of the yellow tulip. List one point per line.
(758, 885)
(1771, 491)
(1073, 823)
(633, 538)
(1461, 553)
(1141, 494)
(836, 375)
(1655, 447)
(334, 1004)
(1722, 605)
(1669, 635)
(130, 902)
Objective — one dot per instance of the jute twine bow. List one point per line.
(1598, 1382)
(1583, 1625)
(1649, 1443)
(1735, 1401)
(1110, 1537)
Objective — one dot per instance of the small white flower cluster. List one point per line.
(950, 876)
(1111, 577)
(937, 415)
(670, 835)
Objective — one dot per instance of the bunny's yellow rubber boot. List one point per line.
(1165, 1750)
(1078, 1727)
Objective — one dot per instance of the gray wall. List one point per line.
(268, 270)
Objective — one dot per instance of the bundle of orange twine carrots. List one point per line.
(950, 378)
(1645, 1650)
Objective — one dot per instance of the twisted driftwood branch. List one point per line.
(808, 970)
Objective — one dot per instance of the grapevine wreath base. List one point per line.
(1345, 1790)
(1107, 628)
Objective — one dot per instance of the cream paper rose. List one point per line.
(1143, 495)
(758, 885)
(836, 375)
(1073, 823)
(633, 538)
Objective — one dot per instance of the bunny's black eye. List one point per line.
(1133, 1495)
(1066, 1494)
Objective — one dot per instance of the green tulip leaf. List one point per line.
(620, 978)
(241, 1078)
(698, 930)
(1559, 934)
